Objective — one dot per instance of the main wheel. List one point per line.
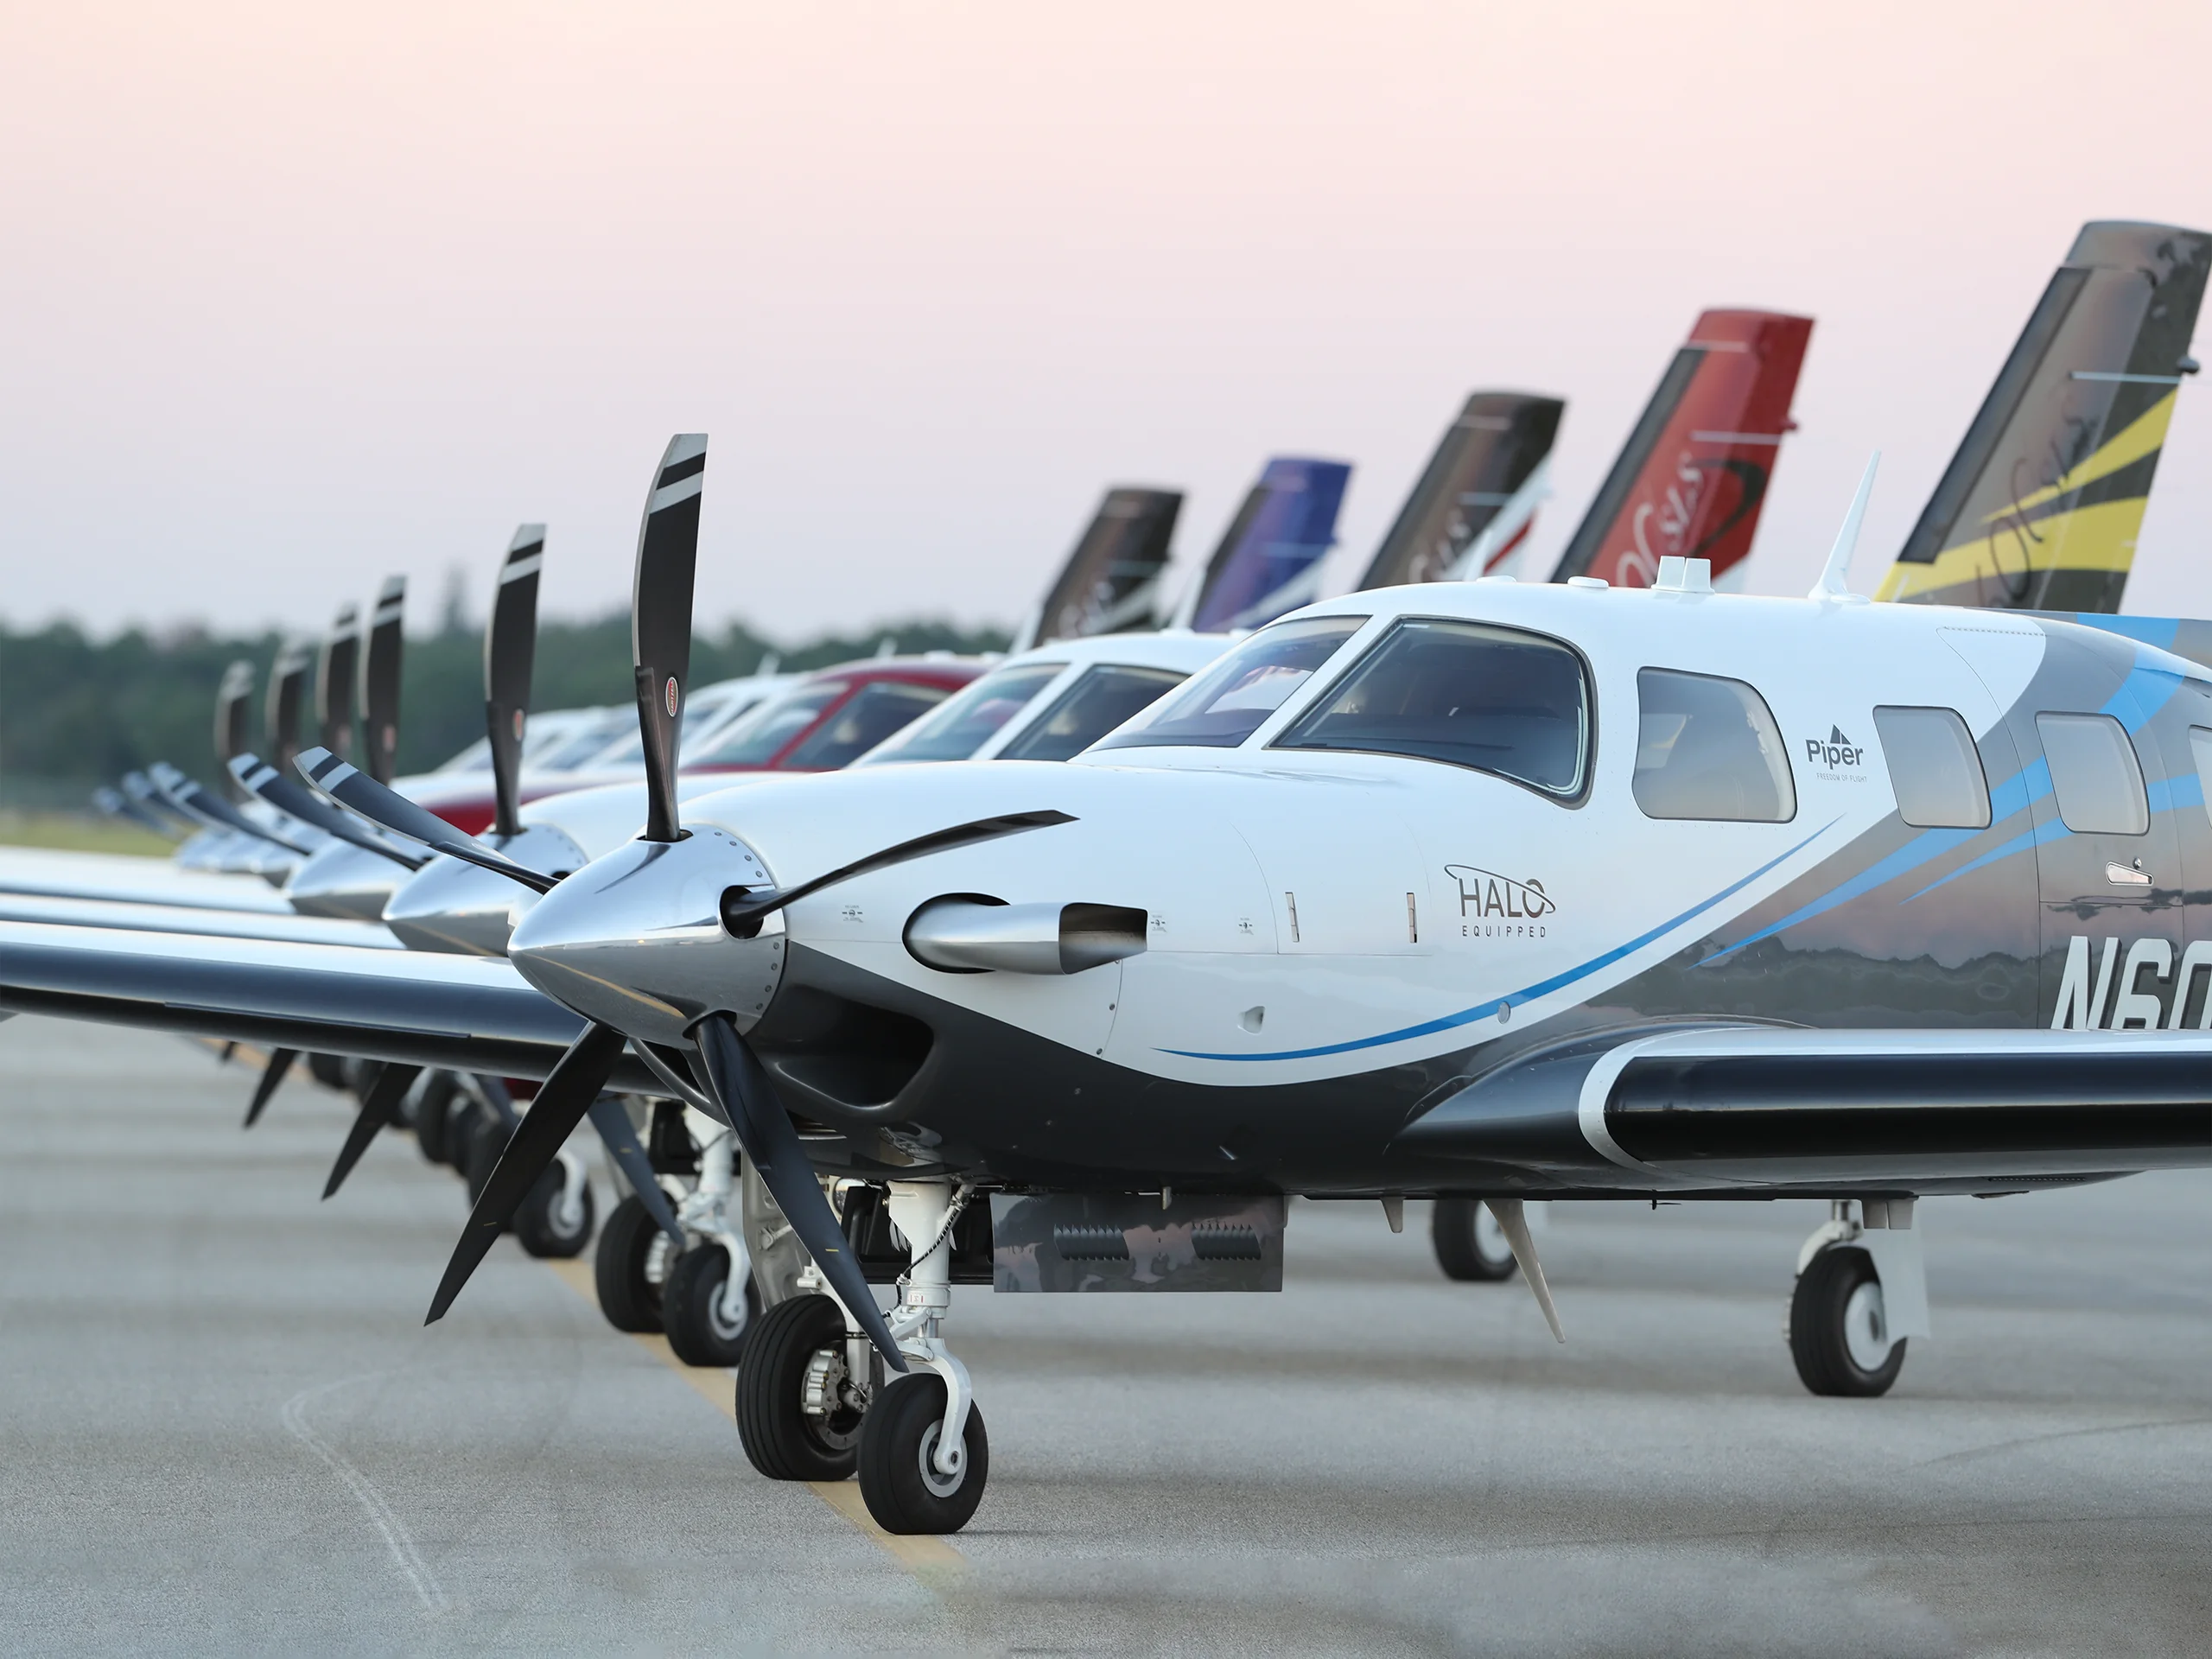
(1470, 1244)
(433, 1113)
(1839, 1328)
(627, 1269)
(540, 1227)
(797, 1410)
(691, 1309)
(899, 1479)
(487, 1140)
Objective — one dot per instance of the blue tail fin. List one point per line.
(1269, 560)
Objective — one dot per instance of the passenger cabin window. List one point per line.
(1492, 699)
(1232, 699)
(2200, 745)
(1101, 700)
(1934, 768)
(2094, 774)
(1707, 747)
(875, 711)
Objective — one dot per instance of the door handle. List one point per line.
(2122, 875)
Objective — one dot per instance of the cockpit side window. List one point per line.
(1493, 699)
(1707, 747)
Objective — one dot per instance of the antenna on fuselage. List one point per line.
(1832, 584)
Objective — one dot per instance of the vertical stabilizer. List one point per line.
(1269, 560)
(1471, 511)
(1110, 583)
(1693, 476)
(334, 683)
(380, 681)
(233, 712)
(287, 697)
(2040, 507)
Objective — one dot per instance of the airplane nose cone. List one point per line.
(635, 939)
(464, 908)
(345, 881)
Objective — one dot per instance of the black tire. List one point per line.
(538, 1224)
(630, 1300)
(1826, 1311)
(901, 1487)
(433, 1113)
(781, 1440)
(690, 1309)
(1466, 1248)
(487, 1140)
(462, 1115)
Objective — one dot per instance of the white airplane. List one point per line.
(1496, 890)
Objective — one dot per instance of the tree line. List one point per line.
(76, 712)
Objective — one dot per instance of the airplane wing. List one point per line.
(462, 1013)
(68, 911)
(1733, 1107)
(127, 878)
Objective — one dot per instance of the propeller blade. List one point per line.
(258, 778)
(232, 702)
(394, 811)
(333, 682)
(115, 804)
(750, 907)
(287, 690)
(280, 1062)
(189, 798)
(510, 649)
(139, 788)
(660, 620)
(380, 681)
(566, 1095)
(620, 1136)
(765, 1130)
(380, 1106)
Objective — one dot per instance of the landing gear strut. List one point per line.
(1862, 1291)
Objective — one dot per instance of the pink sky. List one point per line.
(293, 298)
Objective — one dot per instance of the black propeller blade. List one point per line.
(334, 683)
(288, 688)
(660, 620)
(563, 1099)
(189, 798)
(232, 699)
(510, 649)
(117, 804)
(765, 1130)
(740, 908)
(380, 681)
(280, 1062)
(620, 1136)
(139, 788)
(257, 777)
(396, 812)
(380, 1106)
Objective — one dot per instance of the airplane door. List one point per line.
(2108, 868)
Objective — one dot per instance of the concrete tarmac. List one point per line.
(224, 1428)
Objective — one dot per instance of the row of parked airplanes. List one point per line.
(1062, 970)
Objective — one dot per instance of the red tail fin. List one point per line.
(1694, 475)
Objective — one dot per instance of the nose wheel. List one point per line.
(902, 1479)
(1840, 1326)
(799, 1406)
(630, 1266)
(708, 1319)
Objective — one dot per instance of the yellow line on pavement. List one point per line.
(926, 1557)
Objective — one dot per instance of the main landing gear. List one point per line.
(1470, 1244)
(1862, 1291)
(813, 1402)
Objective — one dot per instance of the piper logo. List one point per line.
(1838, 752)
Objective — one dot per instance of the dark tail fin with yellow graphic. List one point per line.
(1694, 475)
(2039, 509)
